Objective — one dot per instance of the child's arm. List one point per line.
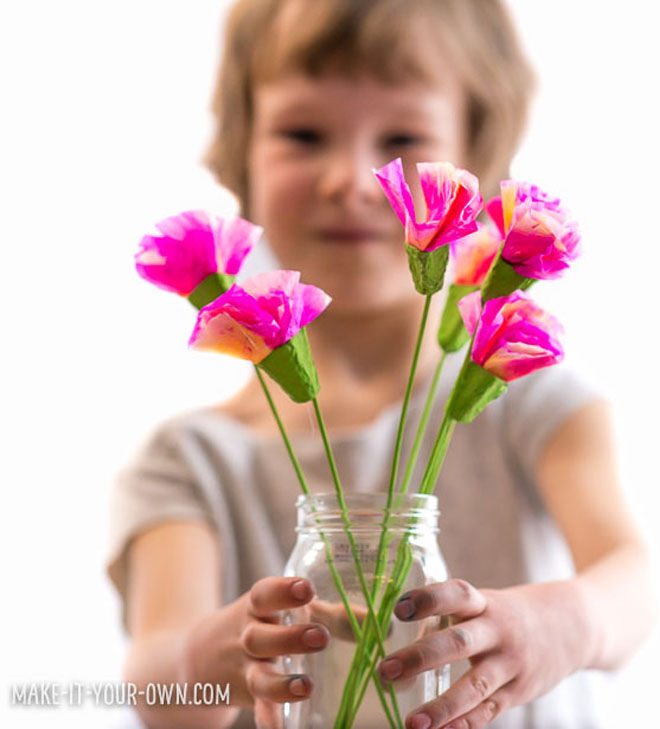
(578, 475)
(523, 640)
(181, 635)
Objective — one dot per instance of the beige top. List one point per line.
(495, 531)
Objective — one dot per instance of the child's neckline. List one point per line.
(387, 415)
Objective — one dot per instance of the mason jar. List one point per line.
(397, 550)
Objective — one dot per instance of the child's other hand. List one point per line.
(520, 643)
(239, 643)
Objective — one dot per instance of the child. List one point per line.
(311, 97)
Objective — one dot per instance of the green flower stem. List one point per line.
(385, 614)
(303, 484)
(353, 545)
(437, 455)
(383, 542)
(380, 559)
(403, 560)
(348, 707)
(283, 433)
(344, 516)
(363, 660)
(421, 429)
(367, 637)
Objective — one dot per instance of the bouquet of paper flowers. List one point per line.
(197, 255)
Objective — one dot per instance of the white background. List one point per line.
(105, 117)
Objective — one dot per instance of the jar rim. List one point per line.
(374, 500)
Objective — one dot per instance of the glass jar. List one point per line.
(345, 693)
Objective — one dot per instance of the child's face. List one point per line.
(314, 144)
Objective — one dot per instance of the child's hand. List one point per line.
(239, 643)
(520, 642)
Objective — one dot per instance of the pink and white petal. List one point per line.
(177, 226)
(149, 254)
(519, 359)
(470, 309)
(424, 236)
(234, 239)
(396, 189)
(473, 255)
(439, 187)
(246, 310)
(495, 317)
(265, 283)
(166, 263)
(468, 197)
(224, 334)
(314, 301)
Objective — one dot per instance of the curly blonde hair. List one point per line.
(381, 38)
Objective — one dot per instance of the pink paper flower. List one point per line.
(472, 256)
(452, 201)
(514, 336)
(252, 320)
(193, 245)
(540, 240)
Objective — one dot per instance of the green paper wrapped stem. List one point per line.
(210, 288)
(292, 367)
(503, 280)
(473, 390)
(452, 334)
(428, 268)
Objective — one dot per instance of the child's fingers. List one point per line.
(271, 594)
(334, 616)
(261, 640)
(453, 597)
(268, 715)
(466, 640)
(264, 682)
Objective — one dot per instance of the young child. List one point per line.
(311, 97)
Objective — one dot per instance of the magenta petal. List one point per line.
(191, 246)
(494, 210)
(238, 305)
(182, 257)
(515, 337)
(396, 189)
(291, 304)
(452, 202)
(541, 240)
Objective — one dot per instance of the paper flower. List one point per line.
(514, 336)
(192, 246)
(473, 255)
(452, 201)
(252, 320)
(263, 321)
(540, 239)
